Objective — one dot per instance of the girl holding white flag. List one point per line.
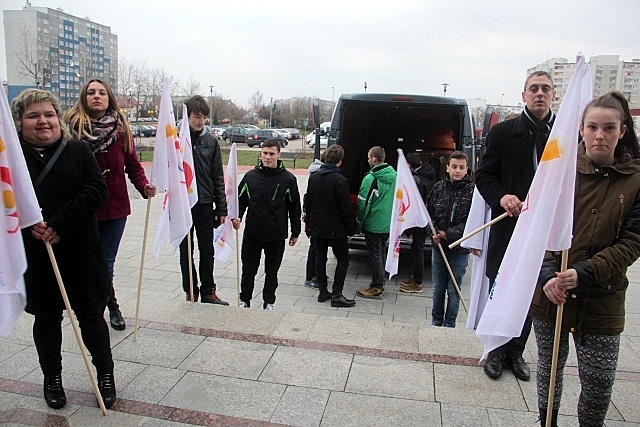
(605, 243)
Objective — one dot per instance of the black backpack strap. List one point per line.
(49, 165)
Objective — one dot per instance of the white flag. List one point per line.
(186, 148)
(223, 235)
(19, 209)
(408, 211)
(544, 224)
(168, 174)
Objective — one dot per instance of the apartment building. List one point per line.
(50, 49)
(607, 71)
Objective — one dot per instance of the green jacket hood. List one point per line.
(384, 172)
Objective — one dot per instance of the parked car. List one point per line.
(248, 126)
(135, 130)
(217, 131)
(295, 133)
(257, 136)
(147, 131)
(234, 134)
(324, 137)
(285, 133)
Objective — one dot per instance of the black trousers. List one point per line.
(251, 252)
(47, 335)
(340, 249)
(203, 223)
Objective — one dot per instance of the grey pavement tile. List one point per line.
(400, 336)
(369, 316)
(86, 416)
(410, 320)
(295, 326)
(358, 332)
(368, 306)
(349, 409)
(301, 406)
(229, 358)
(289, 308)
(414, 300)
(382, 376)
(479, 390)
(151, 385)
(464, 416)
(14, 401)
(167, 349)
(22, 333)
(457, 341)
(225, 396)
(21, 364)
(8, 349)
(505, 418)
(625, 399)
(416, 312)
(308, 368)
(254, 321)
(311, 301)
(328, 311)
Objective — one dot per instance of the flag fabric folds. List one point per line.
(408, 211)
(186, 148)
(223, 235)
(544, 224)
(19, 209)
(168, 173)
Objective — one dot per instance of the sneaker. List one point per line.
(212, 298)
(373, 293)
(411, 288)
(311, 283)
(269, 307)
(243, 304)
(408, 281)
(195, 297)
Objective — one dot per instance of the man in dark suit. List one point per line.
(514, 148)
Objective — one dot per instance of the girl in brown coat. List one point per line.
(606, 241)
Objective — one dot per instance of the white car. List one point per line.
(324, 140)
(284, 133)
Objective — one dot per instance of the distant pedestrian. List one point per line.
(328, 211)
(425, 177)
(269, 193)
(448, 204)
(375, 202)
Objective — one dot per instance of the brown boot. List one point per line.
(195, 297)
(408, 281)
(212, 298)
(411, 288)
(373, 293)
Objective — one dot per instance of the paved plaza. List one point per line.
(379, 363)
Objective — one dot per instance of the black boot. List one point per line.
(338, 300)
(53, 391)
(115, 317)
(107, 387)
(324, 294)
(543, 417)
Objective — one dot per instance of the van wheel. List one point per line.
(227, 140)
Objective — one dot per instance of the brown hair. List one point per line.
(78, 116)
(197, 105)
(334, 154)
(459, 155)
(378, 153)
(34, 96)
(537, 74)
(617, 101)
(271, 142)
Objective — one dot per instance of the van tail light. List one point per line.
(402, 98)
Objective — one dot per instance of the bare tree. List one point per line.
(256, 101)
(191, 87)
(31, 64)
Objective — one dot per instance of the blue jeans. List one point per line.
(377, 244)
(111, 232)
(340, 249)
(442, 284)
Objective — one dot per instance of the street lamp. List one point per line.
(444, 85)
(130, 103)
(211, 102)
(365, 87)
(502, 96)
(332, 94)
(271, 112)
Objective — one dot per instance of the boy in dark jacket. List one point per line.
(328, 213)
(269, 193)
(448, 205)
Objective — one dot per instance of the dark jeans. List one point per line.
(443, 284)
(340, 249)
(251, 253)
(419, 236)
(47, 335)
(202, 216)
(377, 244)
(111, 232)
(311, 259)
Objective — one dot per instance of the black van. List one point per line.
(433, 126)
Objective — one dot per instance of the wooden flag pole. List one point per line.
(455, 283)
(74, 324)
(477, 230)
(556, 345)
(144, 250)
(238, 266)
(190, 258)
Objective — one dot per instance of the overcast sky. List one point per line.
(482, 49)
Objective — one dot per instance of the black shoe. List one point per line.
(341, 301)
(107, 387)
(53, 392)
(493, 366)
(519, 368)
(116, 320)
(324, 295)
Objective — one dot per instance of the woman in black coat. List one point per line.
(69, 195)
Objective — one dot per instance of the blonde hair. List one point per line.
(29, 97)
(78, 116)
